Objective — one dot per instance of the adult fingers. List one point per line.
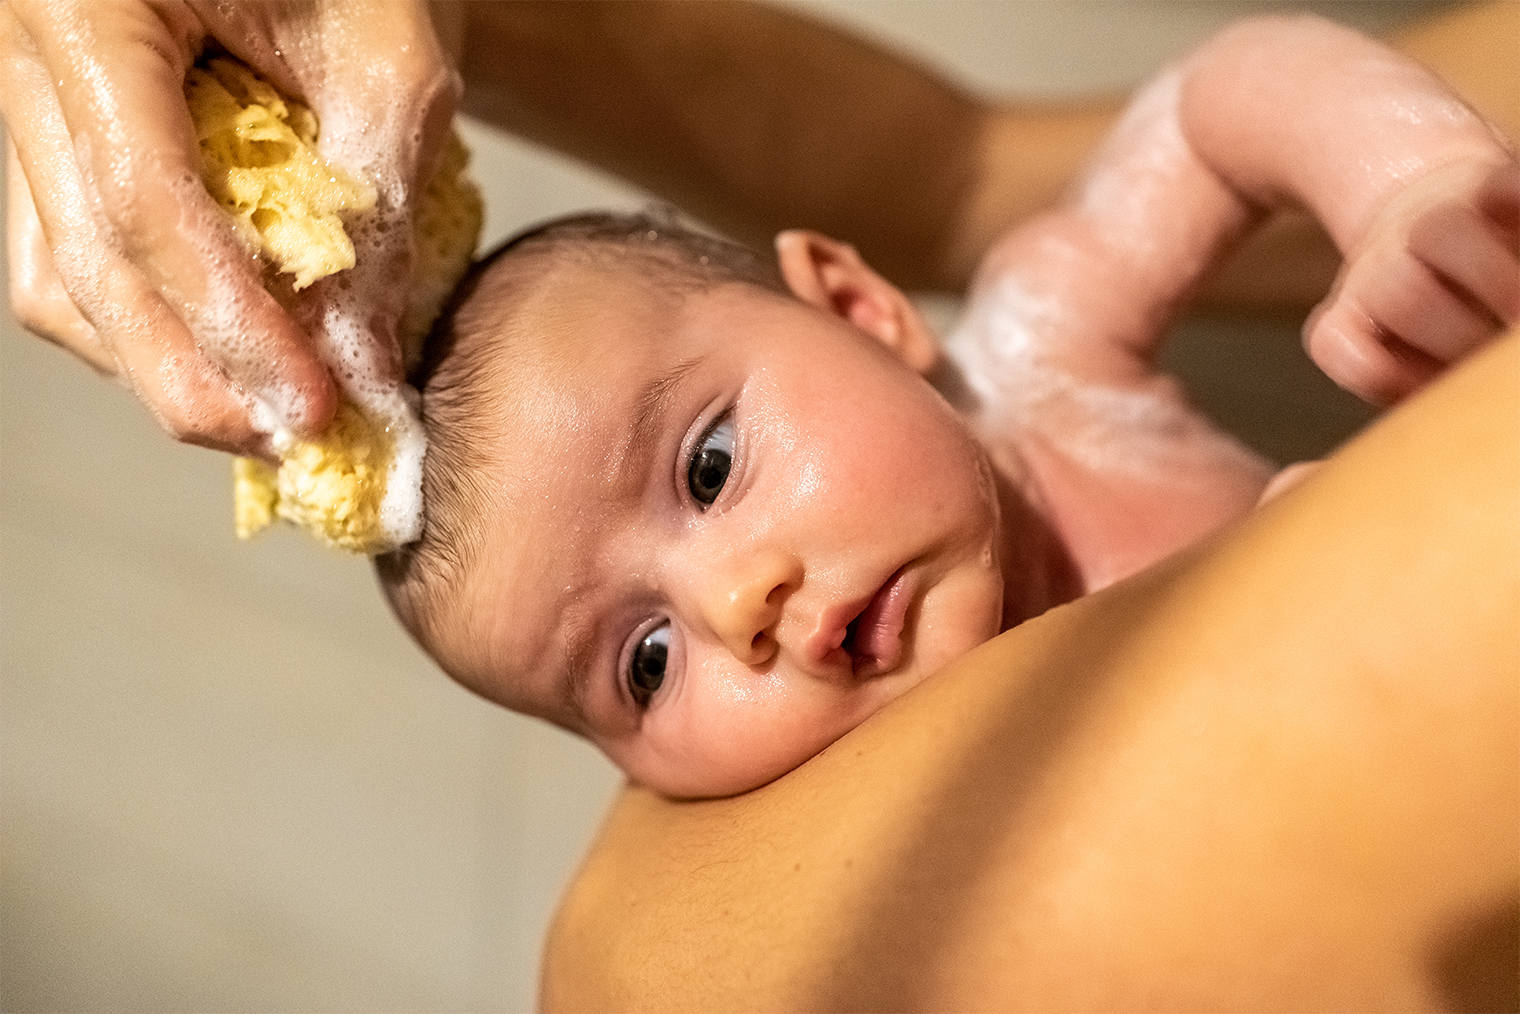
(384, 111)
(190, 395)
(37, 295)
(400, 150)
(408, 94)
(119, 70)
(154, 354)
(138, 337)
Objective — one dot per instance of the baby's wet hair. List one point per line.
(463, 371)
(678, 254)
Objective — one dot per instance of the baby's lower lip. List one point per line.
(875, 636)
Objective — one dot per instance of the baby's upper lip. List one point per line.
(866, 633)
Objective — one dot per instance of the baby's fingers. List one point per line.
(1412, 304)
(1348, 344)
(1416, 300)
(1476, 247)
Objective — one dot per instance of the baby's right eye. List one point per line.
(646, 670)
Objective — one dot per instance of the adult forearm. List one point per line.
(760, 119)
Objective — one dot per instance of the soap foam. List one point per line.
(340, 315)
(1127, 430)
(348, 350)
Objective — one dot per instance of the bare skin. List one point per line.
(965, 923)
(857, 548)
(1117, 807)
(700, 83)
(1232, 781)
(1057, 348)
(568, 77)
(119, 255)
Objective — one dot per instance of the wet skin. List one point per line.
(852, 546)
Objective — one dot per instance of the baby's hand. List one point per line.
(1435, 275)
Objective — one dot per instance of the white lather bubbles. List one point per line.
(392, 408)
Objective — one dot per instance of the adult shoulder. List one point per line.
(1282, 770)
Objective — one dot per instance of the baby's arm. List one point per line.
(1420, 194)
(1417, 191)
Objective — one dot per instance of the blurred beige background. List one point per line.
(229, 782)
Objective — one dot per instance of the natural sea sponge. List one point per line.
(358, 485)
(259, 160)
(332, 486)
(445, 229)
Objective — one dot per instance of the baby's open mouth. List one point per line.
(873, 639)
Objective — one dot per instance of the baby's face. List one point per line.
(725, 528)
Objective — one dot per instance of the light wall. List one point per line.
(227, 780)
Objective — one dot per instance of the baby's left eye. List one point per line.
(709, 466)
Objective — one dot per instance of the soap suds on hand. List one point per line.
(357, 486)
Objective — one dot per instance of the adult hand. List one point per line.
(118, 253)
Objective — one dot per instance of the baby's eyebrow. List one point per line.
(655, 404)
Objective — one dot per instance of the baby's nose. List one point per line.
(741, 600)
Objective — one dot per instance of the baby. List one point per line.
(712, 513)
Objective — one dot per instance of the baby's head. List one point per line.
(707, 515)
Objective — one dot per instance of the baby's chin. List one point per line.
(732, 778)
(744, 756)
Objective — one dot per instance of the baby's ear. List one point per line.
(831, 276)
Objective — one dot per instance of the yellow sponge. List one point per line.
(332, 486)
(259, 161)
(445, 229)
